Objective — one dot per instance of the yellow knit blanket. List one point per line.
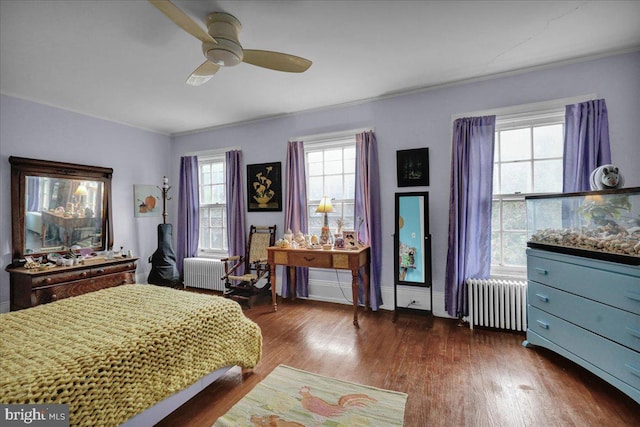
(113, 353)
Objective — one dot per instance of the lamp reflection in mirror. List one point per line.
(325, 207)
(80, 194)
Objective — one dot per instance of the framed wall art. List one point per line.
(413, 167)
(264, 187)
(147, 200)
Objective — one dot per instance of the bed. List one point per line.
(115, 353)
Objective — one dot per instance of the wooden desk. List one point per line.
(317, 258)
(66, 225)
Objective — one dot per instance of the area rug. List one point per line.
(290, 397)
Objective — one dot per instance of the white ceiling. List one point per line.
(126, 62)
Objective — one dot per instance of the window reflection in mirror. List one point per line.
(60, 213)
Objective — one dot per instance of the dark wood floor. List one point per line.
(453, 376)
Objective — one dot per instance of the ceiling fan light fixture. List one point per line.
(226, 53)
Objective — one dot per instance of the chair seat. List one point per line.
(245, 277)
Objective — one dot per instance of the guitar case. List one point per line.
(164, 270)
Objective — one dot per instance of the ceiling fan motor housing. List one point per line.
(224, 28)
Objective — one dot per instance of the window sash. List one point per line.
(213, 237)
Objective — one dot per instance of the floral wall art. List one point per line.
(264, 187)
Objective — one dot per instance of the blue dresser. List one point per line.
(588, 311)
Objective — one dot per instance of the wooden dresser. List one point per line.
(588, 311)
(30, 287)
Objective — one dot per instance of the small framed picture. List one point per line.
(413, 167)
(350, 239)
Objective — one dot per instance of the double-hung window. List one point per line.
(330, 169)
(527, 160)
(213, 210)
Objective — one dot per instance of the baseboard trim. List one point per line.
(340, 293)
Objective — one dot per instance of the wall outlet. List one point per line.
(415, 302)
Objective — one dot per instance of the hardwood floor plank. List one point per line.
(453, 376)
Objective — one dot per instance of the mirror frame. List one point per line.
(421, 238)
(22, 167)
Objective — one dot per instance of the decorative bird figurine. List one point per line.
(324, 409)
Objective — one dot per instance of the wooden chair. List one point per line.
(245, 288)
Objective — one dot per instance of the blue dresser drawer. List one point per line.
(620, 326)
(618, 361)
(588, 278)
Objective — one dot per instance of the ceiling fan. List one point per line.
(221, 47)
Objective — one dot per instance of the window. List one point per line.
(213, 209)
(330, 169)
(527, 160)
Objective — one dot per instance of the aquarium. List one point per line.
(597, 224)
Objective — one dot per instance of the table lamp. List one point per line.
(325, 207)
(80, 192)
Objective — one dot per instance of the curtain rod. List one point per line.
(331, 135)
(212, 152)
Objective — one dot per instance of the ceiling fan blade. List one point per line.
(202, 74)
(276, 60)
(182, 20)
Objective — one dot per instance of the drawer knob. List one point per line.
(83, 274)
(542, 271)
(543, 325)
(54, 297)
(543, 298)
(101, 271)
(47, 280)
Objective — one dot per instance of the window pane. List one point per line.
(515, 144)
(496, 250)
(547, 176)
(516, 177)
(314, 168)
(514, 215)
(333, 167)
(333, 186)
(349, 186)
(315, 188)
(514, 249)
(333, 154)
(548, 141)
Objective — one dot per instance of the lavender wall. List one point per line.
(28, 129)
(423, 119)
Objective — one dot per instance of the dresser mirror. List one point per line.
(56, 205)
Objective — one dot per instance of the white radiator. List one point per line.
(497, 303)
(205, 273)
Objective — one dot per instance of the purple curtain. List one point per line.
(237, 241)
(586, 143)
(188, 211)
(367, 201)
(295, 211)
(469, 242)
(33, 193)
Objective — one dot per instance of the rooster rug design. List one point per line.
(290, 397)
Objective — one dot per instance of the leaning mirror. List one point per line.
(56, 206)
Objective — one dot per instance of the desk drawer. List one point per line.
(319, 259)
(620, 362)
(618, 325)
(598, 284)
(110, 269)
